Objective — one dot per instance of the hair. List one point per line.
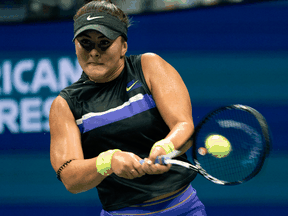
(103, 6)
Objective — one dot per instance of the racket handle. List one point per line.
(162, 158)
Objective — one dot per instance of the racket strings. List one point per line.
(244, 133)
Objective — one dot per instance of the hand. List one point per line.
(150, 168)
(127, 165)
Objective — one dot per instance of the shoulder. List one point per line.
(150, 58)
(152, 62)
(60, 112)
(155, 67)
(59, 104)
(145, 59)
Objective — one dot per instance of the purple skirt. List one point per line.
(184, 203)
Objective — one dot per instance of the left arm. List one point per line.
(172, 100)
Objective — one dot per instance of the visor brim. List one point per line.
(107, 32)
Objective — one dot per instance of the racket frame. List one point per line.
(265, 132)
(167, 159)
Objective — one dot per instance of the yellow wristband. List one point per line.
(103, 161)
(166, 145)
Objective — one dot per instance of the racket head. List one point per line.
(248, 133)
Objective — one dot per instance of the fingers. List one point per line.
(154, 169)
(157, 151)
(127, 165)
(149, 165)
(135, 172)
(128, 174)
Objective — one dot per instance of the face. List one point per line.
(101, 59)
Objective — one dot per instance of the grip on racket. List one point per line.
(162, 158)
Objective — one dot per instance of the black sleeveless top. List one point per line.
(122, 114)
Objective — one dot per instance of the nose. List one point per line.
(95, 52)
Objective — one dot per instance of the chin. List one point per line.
(96, 73)
(95, 69)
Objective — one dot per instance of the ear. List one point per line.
(124, 48)
(77, 45)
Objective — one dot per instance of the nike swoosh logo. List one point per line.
(92, 18)
(129, 88)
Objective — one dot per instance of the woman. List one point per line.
(122, 110)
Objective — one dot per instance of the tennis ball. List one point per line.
(217, 145)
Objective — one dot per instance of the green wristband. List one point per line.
(166, 145)
(103, 161)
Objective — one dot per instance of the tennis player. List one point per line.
(121, 110)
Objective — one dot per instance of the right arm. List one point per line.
(81, 174)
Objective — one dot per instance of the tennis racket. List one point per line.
(229, 145)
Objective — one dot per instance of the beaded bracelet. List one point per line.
(61, 168)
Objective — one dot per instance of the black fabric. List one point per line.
(136, 133)
(105, 23)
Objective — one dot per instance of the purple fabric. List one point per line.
(123, 112)
(184, 203)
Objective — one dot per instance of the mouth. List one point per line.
(94, 63)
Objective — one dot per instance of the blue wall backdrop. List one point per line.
(225, 55)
